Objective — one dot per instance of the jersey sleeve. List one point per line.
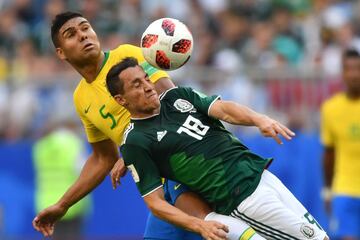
(93, 134)
(154, 73)
(200, 101)
(326, 133)
(142, 167)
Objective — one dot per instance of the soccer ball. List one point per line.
(167, 44)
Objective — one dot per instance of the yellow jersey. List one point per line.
(101, 115)
(340, 128)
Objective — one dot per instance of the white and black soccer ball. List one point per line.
(167, 44)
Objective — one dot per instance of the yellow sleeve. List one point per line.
(154, 73)
(93, 134)
(325, 128)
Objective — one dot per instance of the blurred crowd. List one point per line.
(247, 50)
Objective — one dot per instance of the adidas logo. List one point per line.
(160, 135)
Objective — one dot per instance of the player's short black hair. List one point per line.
(58, 22)
(114, 84)
(350, 53)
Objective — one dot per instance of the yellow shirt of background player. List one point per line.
(101, 116)
(340, 129)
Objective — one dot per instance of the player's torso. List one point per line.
(95, 104)
(345, 125)
(193, 149)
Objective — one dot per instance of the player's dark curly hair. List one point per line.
(58, 22)
(114, 84)
(350, 53)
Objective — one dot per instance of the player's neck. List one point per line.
(353, 95)
(90, 70)
(145, 114)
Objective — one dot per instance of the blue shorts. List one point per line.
(346, 211)
(157, 229)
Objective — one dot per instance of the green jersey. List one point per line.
(184, 144)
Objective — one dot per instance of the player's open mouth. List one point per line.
(88, 46)
(152, 95)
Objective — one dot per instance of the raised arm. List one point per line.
(237, 114)
(209, 230)
(97, 166)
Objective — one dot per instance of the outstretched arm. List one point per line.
(235, 113)
(98, 165)
(209, 230)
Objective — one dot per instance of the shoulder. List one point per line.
(77, 95)
(176, 92)
(126, 50)
(133, 136)
(334, 102)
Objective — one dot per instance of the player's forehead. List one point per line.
(132, 73)
(73, 23)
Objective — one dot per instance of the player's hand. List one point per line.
(271, 128)
(212, 230)
(118, 171)
(44, 222)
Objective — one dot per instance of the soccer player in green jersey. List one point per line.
(179, 136)
(104, 122)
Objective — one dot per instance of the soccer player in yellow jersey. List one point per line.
(104, 122)
(340, 134)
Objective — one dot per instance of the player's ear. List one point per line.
(120, 99)
(60, 53)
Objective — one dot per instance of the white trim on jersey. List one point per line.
(146, 117)
(162, 95)
(217, 98)
(128, 129)
(152, 191)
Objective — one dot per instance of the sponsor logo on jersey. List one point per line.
(134, 173)
(160, 135)
(307, 231)
(183, 105)
(87, 109)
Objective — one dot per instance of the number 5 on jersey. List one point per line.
(194, 128)
(107, 115)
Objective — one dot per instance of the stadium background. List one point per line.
(279, 57)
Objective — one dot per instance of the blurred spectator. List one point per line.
(41, 33)
(259, 50)
(340, 133)
(256, 39)
(58, 158)
(12, 31)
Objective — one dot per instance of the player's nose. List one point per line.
(148, 86)
(82, 36)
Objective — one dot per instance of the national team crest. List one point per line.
(183, 105)
(307, 231)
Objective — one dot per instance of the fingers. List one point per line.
(35, 223)
(287, 130)
(118, 171)
(46, 229)
(115, 179)
(218, 234)
(278, 128)
(218, 231)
